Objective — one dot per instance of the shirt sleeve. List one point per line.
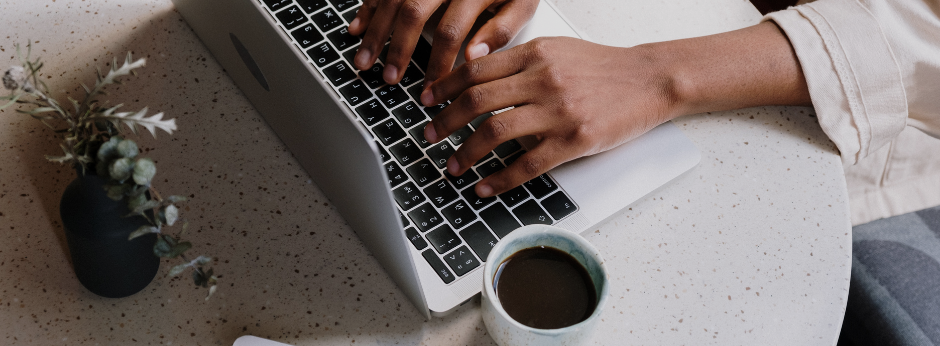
(872, 68)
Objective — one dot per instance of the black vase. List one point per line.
(105, 262)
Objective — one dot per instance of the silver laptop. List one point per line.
(361, 141)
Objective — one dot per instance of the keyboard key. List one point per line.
(408, 196)
(443, 239)
(423, 172)
(480, 119)
(415, 90)
(530, 213)
(425, 217)
(372, 112)
(559, 205)
(326, 20)
(373, 76)
(350, 54)
(383, 155)
(351, 14)
(464, 180)
(339, 73)
(460, 135)
(391, 95)
(406, 151)
(395, 174)
(541, 186)
(409, 115)
(417, 133)
(291, 17)
(342, 40)
(490, 167)
(388, 132)
(459, 214)
(275, 5)
(404, 220)
(355, 92)
(415, 238)
(480, 239)
(322, 54)
(438, 266)
(507, 148)
(306, 36)
(412, 74)
(514, 196)
(470, 194)
(461, 261)
(433, 111)
(500, 220)
(513, 158)
(422, 53)
(441, 193)
(311, 6)
(343, 5)
(440, 152)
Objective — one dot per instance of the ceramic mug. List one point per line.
(505, 330)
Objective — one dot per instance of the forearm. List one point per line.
(749, 67)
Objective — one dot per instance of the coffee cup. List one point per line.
(506, 330)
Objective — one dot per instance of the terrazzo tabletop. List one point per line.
(751, 247)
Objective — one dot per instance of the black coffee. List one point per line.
(543, 287)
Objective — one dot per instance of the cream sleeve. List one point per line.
(872, 68)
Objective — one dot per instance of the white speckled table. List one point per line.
(752, 247)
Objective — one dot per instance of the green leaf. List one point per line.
(127, 148)
(171, 214)
(179, 249)
(179, 269)
(143, 230)
(108, 150)
(144, 171)
(116, 192)
(163, 247)
(140, 209)
(121, 169)
(199, 278)
(136, 201)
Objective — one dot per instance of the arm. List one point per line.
(581, 98)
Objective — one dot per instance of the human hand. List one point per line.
(578, 98)
(406, 18)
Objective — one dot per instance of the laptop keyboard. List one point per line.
(449, 225)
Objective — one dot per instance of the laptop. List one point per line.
(362, 142)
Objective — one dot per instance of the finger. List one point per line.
(380, 28)
(450, 33)
(550, 153)
(477, 100)
(479, 71)
(496, 130)
(501, 29)
(410, 21)
(363, 17)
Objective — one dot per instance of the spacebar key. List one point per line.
(438, 266)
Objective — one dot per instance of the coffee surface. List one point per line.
(543, 287)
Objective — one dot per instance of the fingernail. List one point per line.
(390, 74)
(427, 98)
(453, 166)
(363, 57)
(354, 25)
(478, 50)
(430, 133)
(484, 191)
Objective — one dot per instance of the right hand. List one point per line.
(406, 18)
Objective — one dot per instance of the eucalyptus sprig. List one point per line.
(92, 135)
